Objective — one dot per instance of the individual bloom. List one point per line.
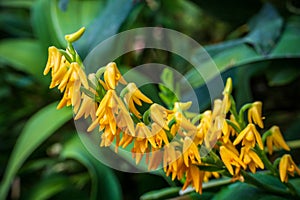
(106, 114)
(215, 130)
(135, 96)
(87, 108)
(251, 159)
(159, 134)
(287, 167)
(155, 158)
(112, 76)
(230, 159)
(143, 136)
(125, 140)
(55, 61)
(182, 125)
(249, 137)
(176, 168)
(159, 114)
(190, 152)
(230, 147)
(194, 177)
(255, 114)
(276, 139)
(143, 132)
(203, 127)
(107, 138)
(170, 157)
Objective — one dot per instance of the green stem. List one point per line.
(266, 161)
(233, 108)
(265, 135)
(146, 117)
(237, 129)
(241, 115)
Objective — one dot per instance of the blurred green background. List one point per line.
(255, 42)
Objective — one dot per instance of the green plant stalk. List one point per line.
(265, 135)
(233, 108)
(233, 125)
(266, 161)
(241, 115)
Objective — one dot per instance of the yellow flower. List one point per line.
(287, 166)
(155, 159)
(194, 176)
(182, 126)
(112, 117)
(70, 84)
(134, 95)
(88, 105)
(251, 159)
(143, 135)
(231, 159)
(159, 114)
(159, 135)
(276, 139)
(254, 114)
(87, 108)
(112, 76)
(249, 137)
(190, 152)
(67, 76)
(169, 159)
(203, 126)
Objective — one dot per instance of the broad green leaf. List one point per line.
(17, 3)
(265, 28)
(105, 25)
(244, 191)
(25, 55)
(241, 54)
(289, 42)
(48, 187)
(282, 72)
(38, 128)
(50, 23)
(104, 183)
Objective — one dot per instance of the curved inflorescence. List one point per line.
(169, 137)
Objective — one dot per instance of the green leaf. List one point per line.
(38, 128)
(105, 185)
(50, 23)
(265, 28)
(17, 3)
(288, 44)
(240, 54)
(48, 187)
(25, 55)
(244, 191)
(282, 72)
(105, 25)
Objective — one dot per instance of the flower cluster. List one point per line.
(191, 147)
